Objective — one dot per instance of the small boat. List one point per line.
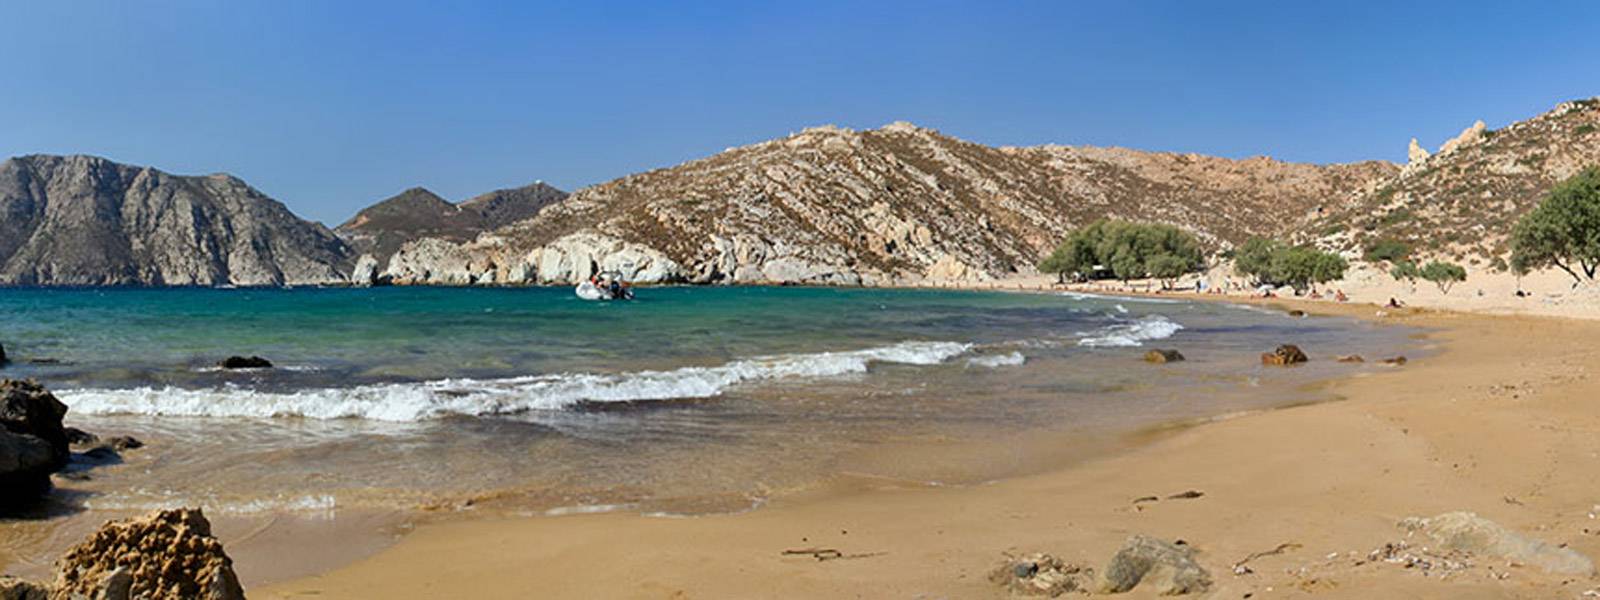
(588, 290)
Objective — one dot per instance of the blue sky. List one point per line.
(329, 106)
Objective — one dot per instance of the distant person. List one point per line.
(1393, 303)
(1339, 295)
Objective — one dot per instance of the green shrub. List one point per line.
(1444, 274)
(1405, 271)
(1386, 249)
(1273, 262)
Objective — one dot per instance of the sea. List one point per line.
(686, 401)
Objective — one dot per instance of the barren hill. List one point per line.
(381, 229)
(900, 203)
(83, 220)
(1463, 200)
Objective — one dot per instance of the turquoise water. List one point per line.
(686, 400)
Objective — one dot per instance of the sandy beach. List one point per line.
(1498, 421)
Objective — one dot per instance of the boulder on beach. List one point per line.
(1041, 574)
(1167, 568)
(1287, 354)
(1472, 534)
(242, 362)
(168, 554)
(33, 444)
(1158, 355)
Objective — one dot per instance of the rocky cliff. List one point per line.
(896, 204)
(1463, 200)
(381, 229)
(82, 220)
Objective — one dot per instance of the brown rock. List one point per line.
(1163, 356)
(1396, 361)
(1287, 354)
(12, 588)
(1352, 358)
(1297, 313)
(33, 444)
(168, 554)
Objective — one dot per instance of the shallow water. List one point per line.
(689, 400)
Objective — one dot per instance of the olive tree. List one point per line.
(1563, 231)
(1126, 250)
(1443, 274)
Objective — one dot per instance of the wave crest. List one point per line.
(405, 402)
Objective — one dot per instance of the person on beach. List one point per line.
(1393, 303)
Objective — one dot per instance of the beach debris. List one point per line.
(1426, 561)
(168, 554)
(1159, 356)
(1352, 358)
(1471, 534)
(1396, 361)
(241, 362)
(1168, 568)
(1243, 566)
(33, 444)
(1287, 354)
(826, 554)
(1040, 574)
(1187, 495)
(1144, 499)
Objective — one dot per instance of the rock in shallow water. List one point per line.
(1287, 354)
(1163, 356)
(33, 444)
(241, 362)
(1164, 567)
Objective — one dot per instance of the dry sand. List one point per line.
(1503, 420)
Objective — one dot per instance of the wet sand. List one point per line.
(1501, 420)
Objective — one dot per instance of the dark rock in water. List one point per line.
(33, 444)
(45, 361)
(1287, 354)
(124, 442)
(1167, 569)
(1396, 361)
(79, 437)
(1352, 358)
(1041, 574)
(1297, 313)
(102, 454)
(240, 362)
(3, 360)
(1163, 356)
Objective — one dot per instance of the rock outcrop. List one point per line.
(1469, 533)
(1462, 203)
(33, 442)
(166, 555)
(82, 220)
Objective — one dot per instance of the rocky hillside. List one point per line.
(1462, 200)
(82, 220)
(381, 229)
(896, 204)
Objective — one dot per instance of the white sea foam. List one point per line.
(474, 397)
(1145, 300)
(995, 361)
(1131, 333)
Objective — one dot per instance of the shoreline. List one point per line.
(1359, 463)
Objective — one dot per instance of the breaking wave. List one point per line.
(405, 402)
(1131, 333)
(995, 361)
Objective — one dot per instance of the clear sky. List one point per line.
(329, 106)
